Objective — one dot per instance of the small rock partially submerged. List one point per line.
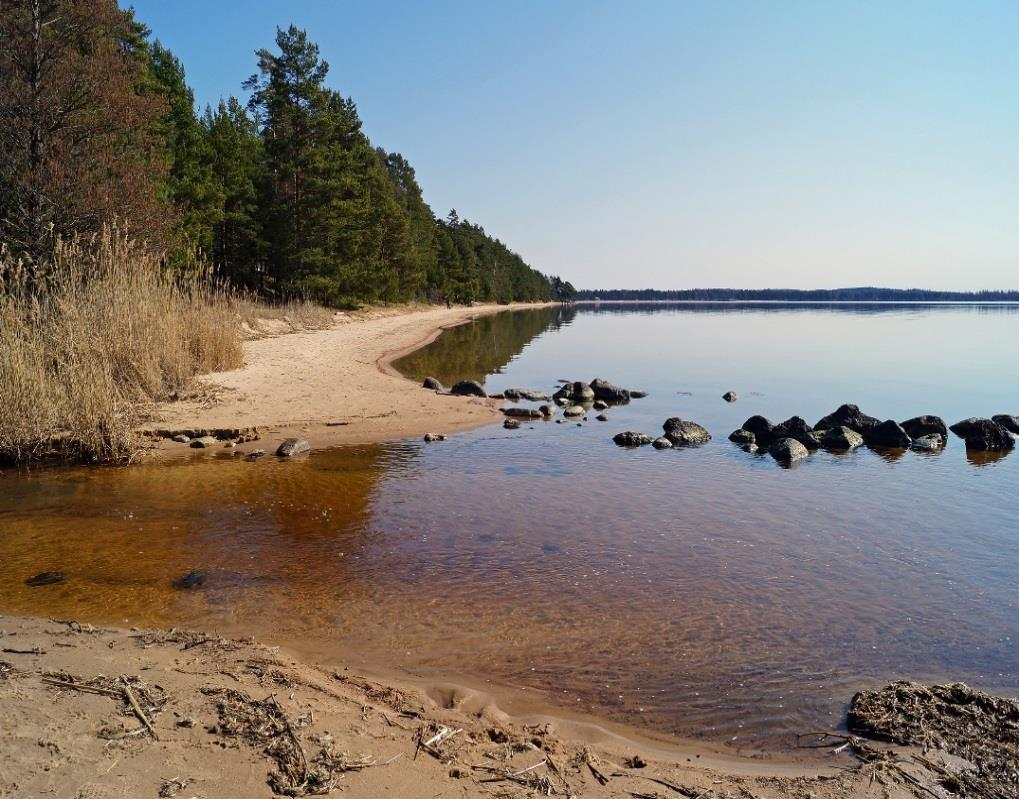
(293, 446)
(848, 416)
(662, 443)
(523, 413)
(204, 442)
(841, 438)
(1009, 422)
(888, 435)
(984, 434)
(925, 425)
(574, 411)
(577, 391)
(742, 437)
(685, 434)
(45, 578)
(430, 437)
(433, 384)
(928, 443)
(525, 394)
(468, 388)
(604, 390)
(190, 581)
(787, 450)
(730, 396)
(511, 424)
(255, 454)
(637, 394)
(631, 439)
(601, 417)
(548, 411)
(182, 438)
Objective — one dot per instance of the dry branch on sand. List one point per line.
(141, 700)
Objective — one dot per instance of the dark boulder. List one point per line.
(631, 439)
(730, 396)
(761, 428)
(685, 434)
(431, 438)
(637, 394)
(787, 450)
(1009, 422)
(468, 388)
(848, 416)
(742, 437)
(433, 384)
(600, 405)
(601, 417)
(604, 390)
(983, 434)
(548, 411)
(190, 581)
(293, 446)
(888, 434)
(45, 578)
(920, 426)
(841, 438)
(796, 427)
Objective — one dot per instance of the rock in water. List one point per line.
(730, 396)
(929, 443)
(848, 416)
(430, 437)
(187, 582)
(523, 413)
(511, 424)
(604, 390)
(661, 443)
(796, 427)
(203, 442)
(600, 405)
(841, 438)
(1009, 422)
(637, 394)
(761, 428)
(433, 384)
(182, 438)
(601, 417)
(45, 578)
(574, 410)
(525, 394)
(631, 439)
(787, 450)
(255, 454)
(685, 434)
(468, 388)
(887, 434)
(983, 434)
(548, 411)
(742, 437)
(293, 446)
(925, 425)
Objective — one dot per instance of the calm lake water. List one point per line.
(701, 592)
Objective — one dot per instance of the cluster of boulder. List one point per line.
(848, 427)
(676, 433)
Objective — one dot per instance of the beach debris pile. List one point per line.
(264, 725)
(981, 729)
(139, 699)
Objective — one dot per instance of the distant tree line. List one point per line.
(862, 294)
(285, 193)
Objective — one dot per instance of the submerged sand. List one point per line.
(335, 386)
(222, 719)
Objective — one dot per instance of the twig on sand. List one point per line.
(138, 708)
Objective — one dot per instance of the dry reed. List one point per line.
(95, 335)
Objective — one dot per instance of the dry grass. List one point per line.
(92, 337)
(258, 320)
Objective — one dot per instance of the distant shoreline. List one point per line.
(735, 301)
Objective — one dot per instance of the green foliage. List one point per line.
(288, 196)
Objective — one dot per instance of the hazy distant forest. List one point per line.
(284, 193)
(861, 294)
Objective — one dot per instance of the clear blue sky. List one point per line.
(679, 144)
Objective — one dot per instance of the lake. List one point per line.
(699, 592)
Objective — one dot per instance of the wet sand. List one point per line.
(193, 689)
(335, 386)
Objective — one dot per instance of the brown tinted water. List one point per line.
(703, 592)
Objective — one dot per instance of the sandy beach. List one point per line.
(335, 386)
(92, 713)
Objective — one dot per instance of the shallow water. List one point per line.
(701, 592)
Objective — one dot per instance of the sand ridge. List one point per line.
(336, 386)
